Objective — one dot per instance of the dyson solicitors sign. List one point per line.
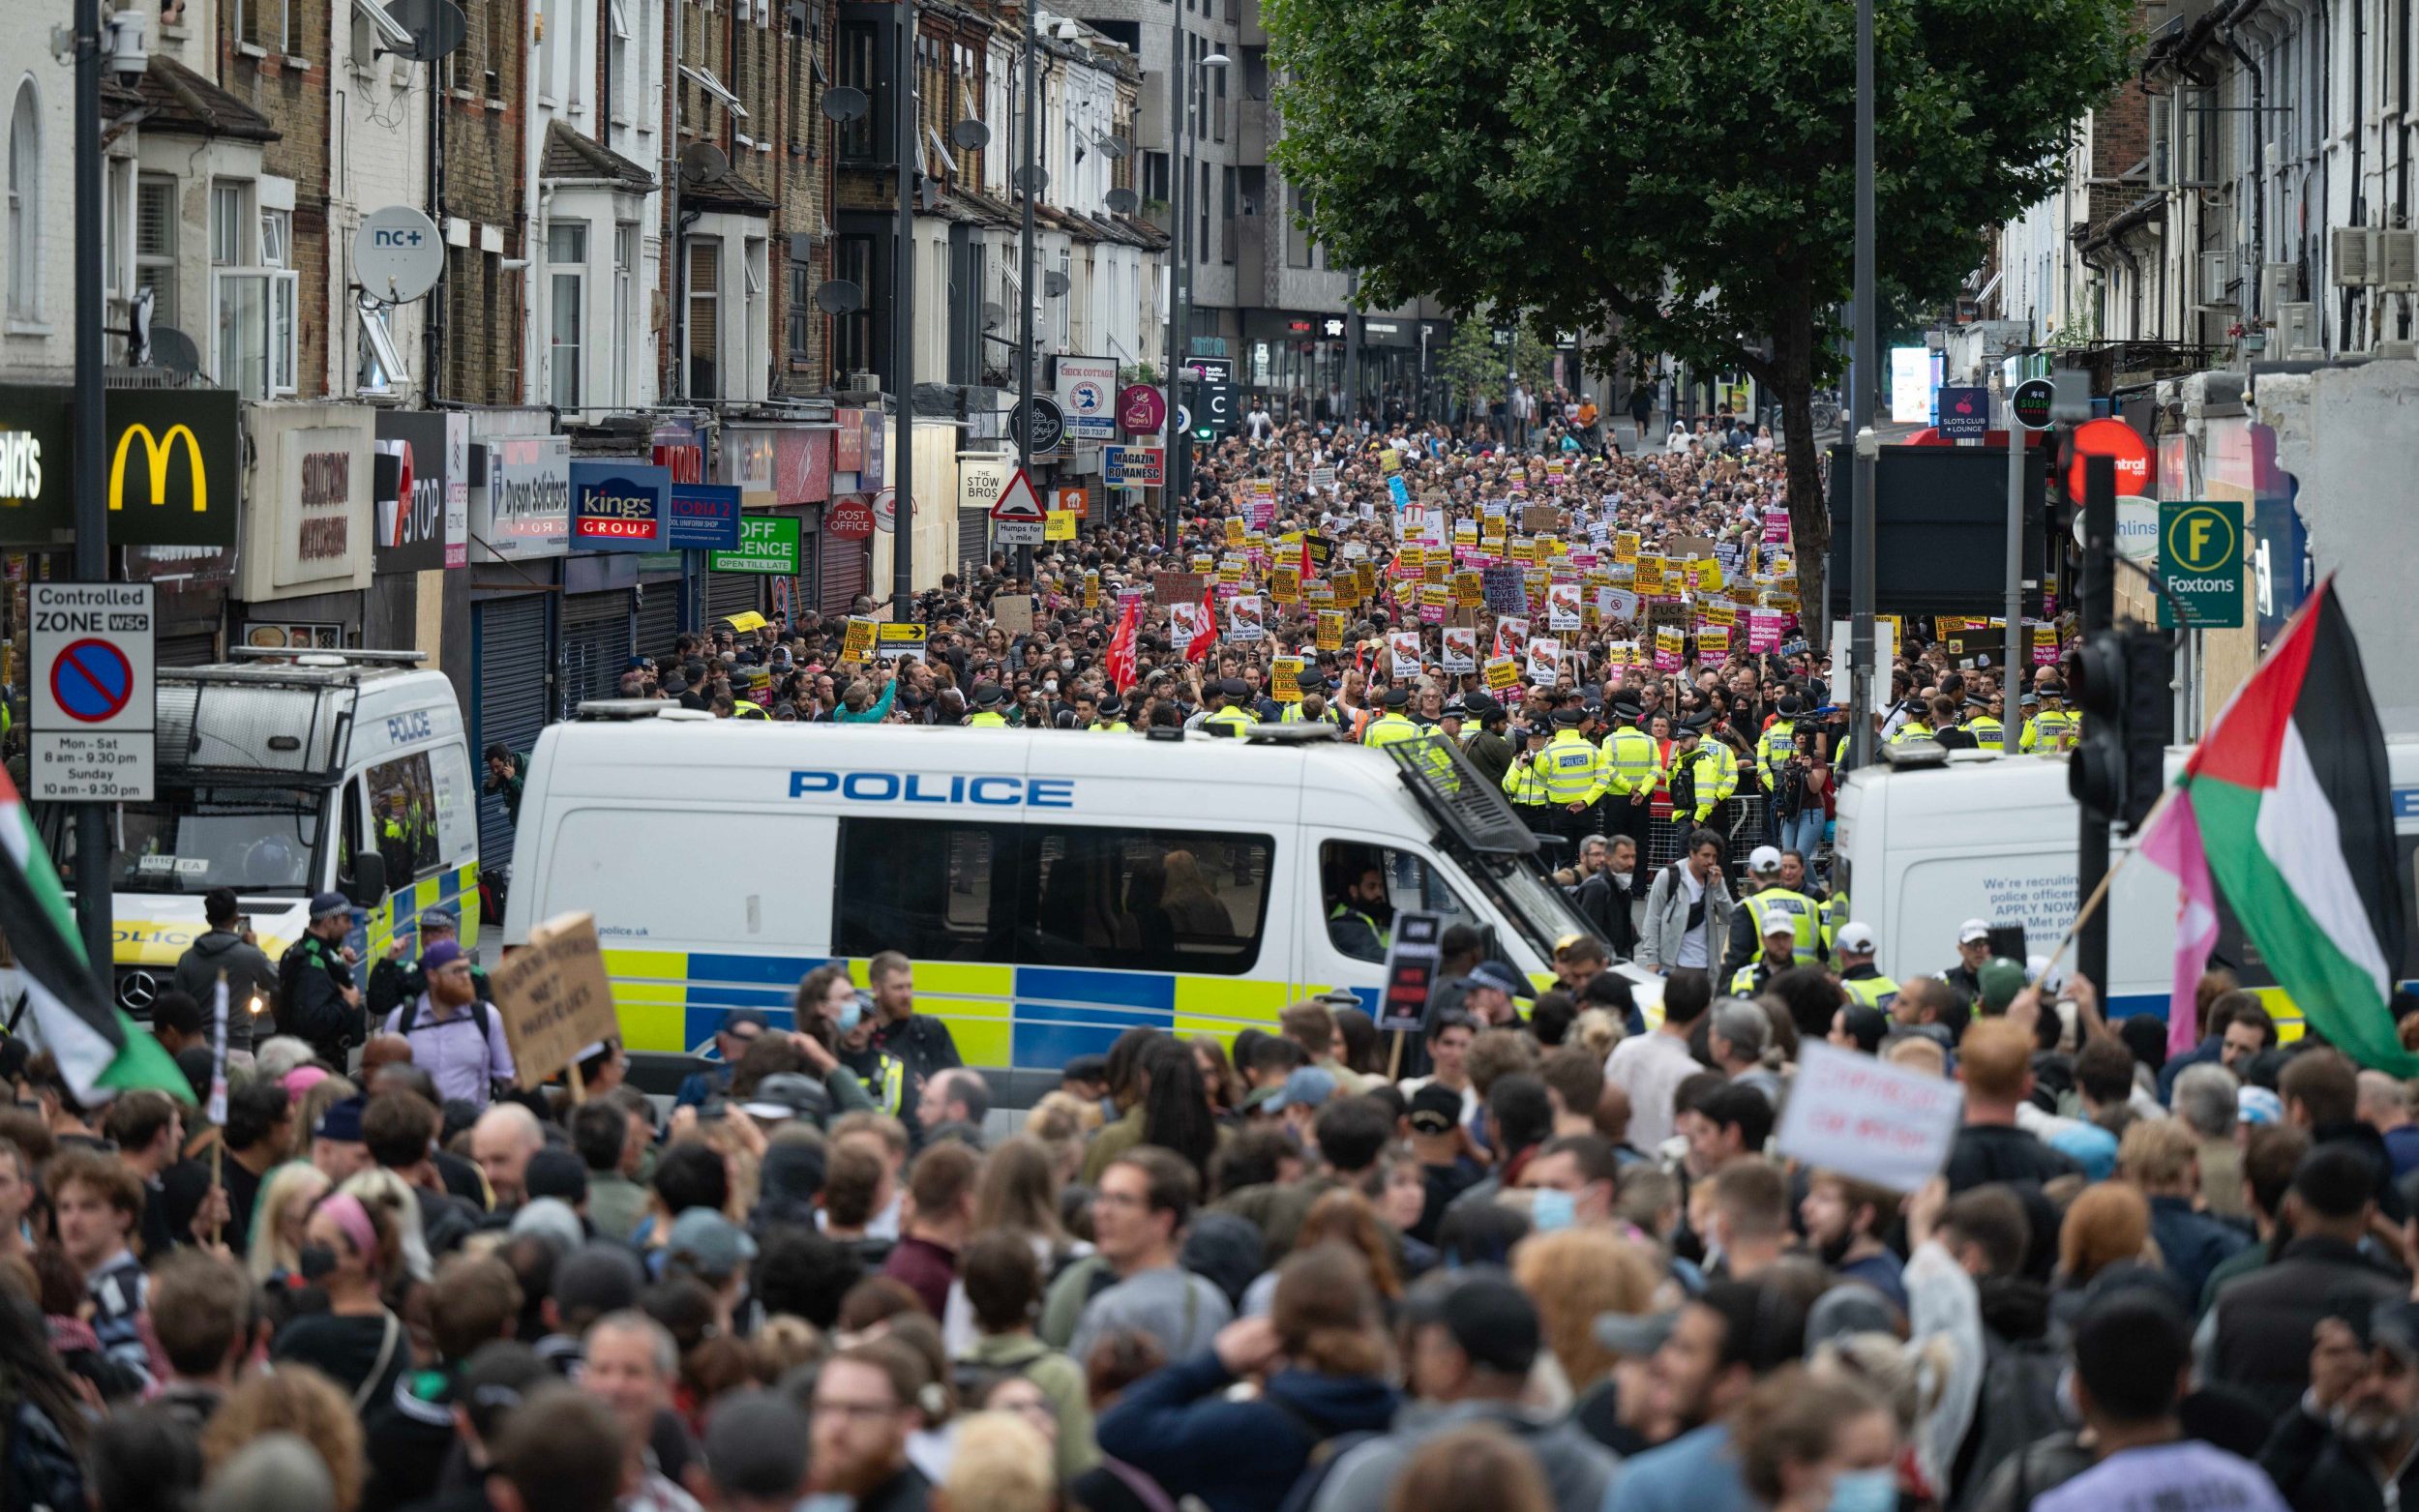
(523, 510)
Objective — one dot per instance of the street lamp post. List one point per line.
(903, 324)
(1027, 183)
(1180, 142)
(1864, 385)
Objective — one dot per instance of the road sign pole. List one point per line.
(92, 514)
(2010, 712)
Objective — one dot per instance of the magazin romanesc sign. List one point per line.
(2200, 563)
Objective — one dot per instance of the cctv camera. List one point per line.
(125, 54)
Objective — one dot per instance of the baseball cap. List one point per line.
(1435, 1109)
(756, 1446)
(2000, 979)
(1858, 938)
(1779, 925)
(1306, 1085)
(745, 1017)
(325, 903)
(341, 1121)
(1764, 859)
(1497, 975)
(1971, 931)
(713, 1244)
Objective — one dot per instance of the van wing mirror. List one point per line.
(369, 884)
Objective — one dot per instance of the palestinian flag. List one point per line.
(99, 1050)
(2284, 810)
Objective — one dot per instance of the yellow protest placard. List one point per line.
(1434, 568)
(1234, 529)
(859, 643)
(1285, 584)
(1389, 461)
(1059, 525)
(1465, 532)
(1091, 590)
(1411, 558)
(1626, 547)
(1708, 574)
(1717, 612)
(1712, 643)
(1285, 679)
(1330, 630)
(1502, 672)
(1435, 596)
(1468, 589)
(1650, 576)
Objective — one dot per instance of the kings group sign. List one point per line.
(619, 506)
(172, 462)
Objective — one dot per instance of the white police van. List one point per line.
(1925, 845)
(1053, 888)
(284, 776)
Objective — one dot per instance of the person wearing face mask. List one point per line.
(836, 1014)
(1813, 1444)
(348, 1249)
(454, 1036)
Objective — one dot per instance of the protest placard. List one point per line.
(858, 644)
(1330, 630)
(1712, 643)
(1180, 587)
(1285, 679)
(1468, 589)
(1505, 591)
(1461, 649)
(1511, 636)
(1013, 612)
(1534, 518)
(1671, 645)
(1502, 672)
(1403, 647)
(1245, 619)
(1435, 601)
(898, 642)
(1562, 606)
(554, 997)
(1544, 658)
(1868, 1119)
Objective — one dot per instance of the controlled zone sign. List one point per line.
(93, 701)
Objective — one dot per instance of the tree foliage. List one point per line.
(1682, 170)
(1473, 366)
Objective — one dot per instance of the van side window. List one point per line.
(1362, 887)
(1146, 899)
(403, 816)
(937, 890)
(1108, 899)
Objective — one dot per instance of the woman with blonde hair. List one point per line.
(274, 1255)
(297, 1400)
(380, 1188)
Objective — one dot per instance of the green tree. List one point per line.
(1473, 364)
(1683, 170)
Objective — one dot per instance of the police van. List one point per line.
(282, 776)
(1930, 839)
(1053, 888)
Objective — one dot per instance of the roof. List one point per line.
(570, 158)
(184, 103)
(735, 191)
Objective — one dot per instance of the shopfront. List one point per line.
(520, 533)
(304, 555)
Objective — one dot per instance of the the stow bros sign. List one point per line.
(619, 506)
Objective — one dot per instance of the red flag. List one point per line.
(1198, 649)
(1120, 660)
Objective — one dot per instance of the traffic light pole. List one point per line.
(1027, 184)
(2011, 673)
(2099, 613)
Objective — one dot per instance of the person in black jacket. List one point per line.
(2352, 1435)
(227, 949)
(317, 1000)
(1994, 1061)
(1603, 899)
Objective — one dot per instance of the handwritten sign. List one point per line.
(1868, 1119)
(554, 996)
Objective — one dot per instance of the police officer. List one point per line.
(396, 979)
(1449, 724)
(1778, 954)
(1779, 740)
(1768, 900)
(1696, 779)
(1636, 766)
(1487, 746)
(1859, 977)
(2055, 727)
(989, 697)
(1913, 728)
(1227, 714)
(1525, 783)
(1574, 777)
(1112, 715)
(1312, 685)
(1984, 725)
(1394, 724)
(1356, 924)
(317, 999)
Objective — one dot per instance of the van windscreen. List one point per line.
(254, 839)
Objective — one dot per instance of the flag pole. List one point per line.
(218, 1096)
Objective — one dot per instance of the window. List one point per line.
(378, 367)
(566, 257)
(858, 64)
(705, 295)
(25, 205)
(277, 234)
(255, 330)
(155, 244)
(853, 334)
(1358, 926)
(617, 62)
(230, 230)
(403, 812)
(801, 309)
(1201, 238)
(1226, 210)
(625, 275)
(1155, 176)
(265, 24)
(542, 47)
(1297, 234)
(1164, 901)
(1218, 99)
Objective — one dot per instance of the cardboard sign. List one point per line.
(1544, 660)
(1689, 546)
(1865, 1118)
(1461, 648)
(1502, 672)
(1168, 588)
(1411, 961)
(1013, 612)
(859, 644)
(554, 998)
(1511, 636)
(1245, 619)
(1534, 518)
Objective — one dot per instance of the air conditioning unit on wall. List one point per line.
(2297, 329)
(2351, 261)
(2396, 261)
(2217, 281)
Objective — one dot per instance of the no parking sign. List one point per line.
(93, 703)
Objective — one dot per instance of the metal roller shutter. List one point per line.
(595, 647)
(659, 620)
(191, 648)
(733, 593)
(973, 541)
(844, 573)
(510, 637)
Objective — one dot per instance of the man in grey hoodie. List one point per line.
(1470, 1338)
(250, 975)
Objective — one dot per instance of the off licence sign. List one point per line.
(765, 546)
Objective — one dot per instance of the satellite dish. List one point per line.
(1114, 146)
(1123, 200)
(970, 135)
(174, 350)
(398, 254)
(703, 163)
(993, 313)
(435, 26)
(1054, 283)
(845, 104)
(1033, 178)
(838, 297)
(138, 329)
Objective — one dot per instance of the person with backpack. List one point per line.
(228, 948)
(317, 1000)
(1002, 1282)
(1322, 1358)
(454, 1036)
